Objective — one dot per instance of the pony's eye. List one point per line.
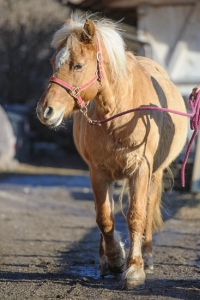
(78, 67)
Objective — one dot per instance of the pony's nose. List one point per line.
(48, 112)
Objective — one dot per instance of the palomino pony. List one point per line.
(95, 78)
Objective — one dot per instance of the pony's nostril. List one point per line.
(48, 112)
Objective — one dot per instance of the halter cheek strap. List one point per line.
(75, 91)
(99, 61)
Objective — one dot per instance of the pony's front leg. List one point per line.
(134, 275)
(111, 250)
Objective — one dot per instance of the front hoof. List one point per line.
(133, 278)
(133, 285)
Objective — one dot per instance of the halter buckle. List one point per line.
(99, 57)
(84, 110)
(74, 92)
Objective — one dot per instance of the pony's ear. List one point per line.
(89, 31)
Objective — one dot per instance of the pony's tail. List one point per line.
(157, 223)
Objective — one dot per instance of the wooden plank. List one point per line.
(133, 3)
(184, 61)
(174, 35)
(162, 26)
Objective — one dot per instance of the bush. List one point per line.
(26, 28)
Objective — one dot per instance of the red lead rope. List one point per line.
(194, 123)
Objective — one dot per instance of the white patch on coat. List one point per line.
(61, 57)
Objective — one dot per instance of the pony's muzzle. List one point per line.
(48, 113)
(50, 116)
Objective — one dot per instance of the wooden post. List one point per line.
(195, 183)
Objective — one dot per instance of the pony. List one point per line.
(95, 78)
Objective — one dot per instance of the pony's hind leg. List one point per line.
(111, 250)
(113, 265)
(153, 220)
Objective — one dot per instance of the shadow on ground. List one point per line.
(75, 266)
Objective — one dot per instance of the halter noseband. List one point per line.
(75, 91)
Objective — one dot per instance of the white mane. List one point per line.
(109, 34)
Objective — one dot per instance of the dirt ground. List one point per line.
(49, 241)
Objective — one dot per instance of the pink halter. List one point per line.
(75, 91)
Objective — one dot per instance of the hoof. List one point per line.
(104, 269)
(133, 285)
(148, 263)
(149, 269)
(134, 278)
(116, 270)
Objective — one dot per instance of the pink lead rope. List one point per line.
(194, 123)
(75, 93)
